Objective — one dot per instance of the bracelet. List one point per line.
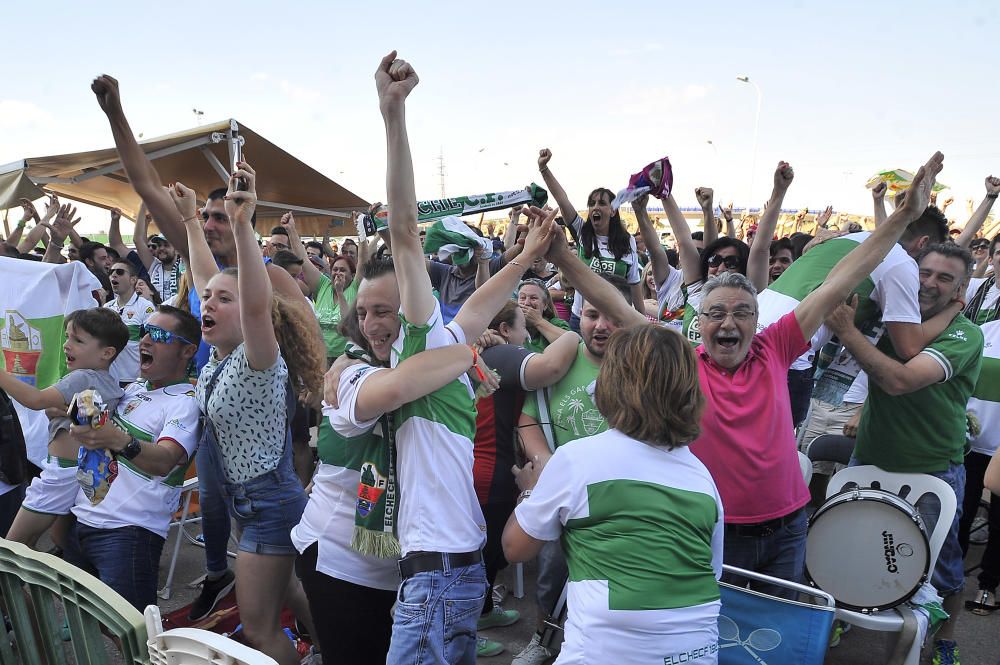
(475, 365)
(523, 495)
(544, 169)
(513, 262)
(189, 219)
(991, 196)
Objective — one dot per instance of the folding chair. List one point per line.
(757, 629)
(32, 582)
(910, 487)
(193, 646)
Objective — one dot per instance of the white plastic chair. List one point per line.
(806, 465)
(193, 646)
(916, 485)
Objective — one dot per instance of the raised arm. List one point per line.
(394, 80)
(706, 199)
(59, 230)
(255, 296)
(657, 255)
(727, 214)
(982, 212)
(510, 233)
(29, 213)
(310, 273)
(687, 251)
(139, 237)
(602, 295)
(115, 234)
(555, 189)
(139, 169)
(863, 259)
(477, 312)
(878, 199)
(757, 266)
(200, 263)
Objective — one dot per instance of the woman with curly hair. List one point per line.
(266, 351)
(603, 242)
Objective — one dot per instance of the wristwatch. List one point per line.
(132, 449)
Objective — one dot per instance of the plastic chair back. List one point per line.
(193, 646)
(832, 448)
(806, 466)
(757, 628)
(30, 584)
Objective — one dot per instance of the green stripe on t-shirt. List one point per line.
(988, 385)
(343, 451)
(652, 544)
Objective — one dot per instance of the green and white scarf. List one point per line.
(428, 211)
(378, 495)
(452, 237)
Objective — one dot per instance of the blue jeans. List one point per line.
(215, 523)
(127, 559)
(436, 617)
(949, 571)
(781, 553)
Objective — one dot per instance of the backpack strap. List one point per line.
(545, 419)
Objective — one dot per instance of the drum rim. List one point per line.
(883, 496)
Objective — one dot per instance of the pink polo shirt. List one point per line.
(747, 440)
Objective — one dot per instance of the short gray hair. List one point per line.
(729, 280)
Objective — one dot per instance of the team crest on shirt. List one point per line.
(370, 489)
(131, 406)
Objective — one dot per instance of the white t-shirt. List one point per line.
(895, 283)
(134, 314)
(985, 401)
(165, 282)
(329, 515)
(642, 531)
(989, 302)
(136, 498)
(605, 262)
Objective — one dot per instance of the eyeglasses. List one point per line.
(118, 272)
(161, 336)
(279, 245)
(716, 259)
(720, 315)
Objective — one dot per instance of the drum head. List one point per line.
(867, 550)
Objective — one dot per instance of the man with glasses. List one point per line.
(278, 242)
(120, 537)
(134, 310)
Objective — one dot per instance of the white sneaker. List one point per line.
(533, 654)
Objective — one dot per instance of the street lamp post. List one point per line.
(756, 127)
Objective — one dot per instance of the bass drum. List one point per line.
(868, 549)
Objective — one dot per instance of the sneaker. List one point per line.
(498, 618)
(533, 654)
(984, 604)
(499, 593)
(945, 652)
(212, 591)
(486, 648)
(835, 633)
(978, 535)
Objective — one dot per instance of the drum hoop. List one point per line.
(894, 500)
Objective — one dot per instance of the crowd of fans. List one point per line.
(625, 412)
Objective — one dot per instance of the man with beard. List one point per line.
(914, 419)
(219, 234)
(747, 441)
(156, 257)
(134, 310)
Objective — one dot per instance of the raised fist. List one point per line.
(106, 89)
(544, 155)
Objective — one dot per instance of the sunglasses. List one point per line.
(119, 272)
(980, 245)
(161, 336)
(731, 261)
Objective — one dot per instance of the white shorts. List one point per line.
(54, 491)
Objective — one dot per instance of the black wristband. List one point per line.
(132, 449)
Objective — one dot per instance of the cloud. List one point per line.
(17, 114)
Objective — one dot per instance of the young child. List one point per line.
(94, 338)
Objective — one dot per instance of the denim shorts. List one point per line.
(266, 509)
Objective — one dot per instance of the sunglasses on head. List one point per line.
(716, 259)
(118, 271)
(161, 336)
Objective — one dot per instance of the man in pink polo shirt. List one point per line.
(747, 440)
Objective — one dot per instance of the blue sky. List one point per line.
(848, 88)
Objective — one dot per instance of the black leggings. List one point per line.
(353, 622)
(496, 515)
(975, 469)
